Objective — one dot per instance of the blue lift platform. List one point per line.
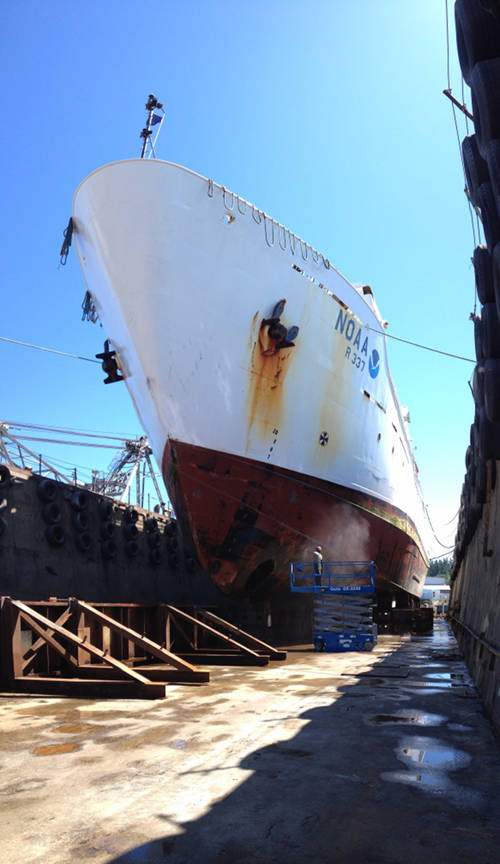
(343, 603)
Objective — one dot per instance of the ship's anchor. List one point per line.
(110, 365)
(281, 336)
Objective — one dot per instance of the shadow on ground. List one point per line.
(402, 768)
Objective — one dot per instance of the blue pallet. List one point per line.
(344, 641)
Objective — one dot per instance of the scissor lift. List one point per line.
(343, 603)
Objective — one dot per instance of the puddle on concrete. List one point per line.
(442, 758)
(426, 665)
(54, 749)
(437, 781)
(436, 684)
(417, 718)
(446, 676)
(431, 754)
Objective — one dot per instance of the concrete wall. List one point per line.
(475, 606)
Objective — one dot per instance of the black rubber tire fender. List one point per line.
(480, 484)
(54, 535)
(155, 556)
(83, 541)
(79, 499)
(489, 437)
(485, 87)
(5, 477)
(107, 531)
(471, 476)
(131, 548)
(171, 528)
(172, 544)
(492, 389)
(131, 530)
(154, 540)
(131, 515)
(469, 457)
(474, 438)
(108, 549)
(476, 168)
(80, 520)
(490, 327)
(495, 263)
(105, 510)
(478, 33)
(51, 513)
(478, 337)
(151, 525)
(494, 168)
(483, 271)
(47, 489)
(478, 384)
(489, 215)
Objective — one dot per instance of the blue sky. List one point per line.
(327, 115)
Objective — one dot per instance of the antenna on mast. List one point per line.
(151, 105)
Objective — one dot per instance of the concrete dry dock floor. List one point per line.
(293, 763)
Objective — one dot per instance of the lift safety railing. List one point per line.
(336, 577)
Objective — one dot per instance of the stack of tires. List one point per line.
(153, 534)
(172, 543)
(478, 45)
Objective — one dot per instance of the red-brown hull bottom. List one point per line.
(248, 520)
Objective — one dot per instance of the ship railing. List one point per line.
(336, 577)
(274, 232)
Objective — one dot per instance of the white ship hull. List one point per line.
(184, 276)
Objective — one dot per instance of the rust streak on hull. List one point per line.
(248, 520)
(267, 371)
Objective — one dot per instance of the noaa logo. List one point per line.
(374, 363)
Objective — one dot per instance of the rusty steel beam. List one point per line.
(177, 624)
(31, 654)
(227, 658)
(154, 672)
(147, 644)
(31, 615)
(211, 630)
(80, 688)
(48, 639)
(273, 653)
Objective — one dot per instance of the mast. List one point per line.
(147, 132)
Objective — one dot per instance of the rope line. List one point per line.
(419, 345)
(61, 441)
(380, 333)
(436, 538)
(121, 438)
(50, 350)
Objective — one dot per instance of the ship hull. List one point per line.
(193, 287)
(249, 520)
